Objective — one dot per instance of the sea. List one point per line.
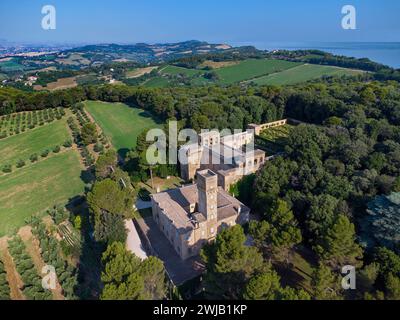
(387, 53)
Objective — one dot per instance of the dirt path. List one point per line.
(13, 277)
(33, 249)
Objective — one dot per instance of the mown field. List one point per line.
(252, 68)
(62, 83)
(157, 82)
(23, 145)
(174, 70)
(121, 123)
(138, 72)
(303, 73)
(258, 71)
(33, 189)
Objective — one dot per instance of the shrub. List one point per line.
(20, 163)
(98, 147)
(67, 144)
(6, 168)
(89, 133)
(56, 149)
(45, 153)
(33, 157)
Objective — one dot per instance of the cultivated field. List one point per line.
(219, 64)
(23, 145)
(35, 188)
(135, 73)
(303, 73)
(174, 70)
(12, 64)
(258, 71)
(252, 68)
(121, 123)
(157, 82)
(63, 83)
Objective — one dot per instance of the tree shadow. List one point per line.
(89, 269)
(89, 266)
(145, 113)
(123, 152)
(87, 176)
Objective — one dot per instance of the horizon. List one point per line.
(127, 22)
(237, 44)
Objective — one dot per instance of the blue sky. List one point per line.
(231, 21)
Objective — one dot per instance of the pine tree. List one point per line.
(338, 245)
(264, 286)
(126, 277)
(324, 284)
(230, 263)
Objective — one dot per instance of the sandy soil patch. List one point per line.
(139, 72)
(60, 84)
(33, 249)
(13, 277)
(223, 47)
(121, 60)
(218, 65)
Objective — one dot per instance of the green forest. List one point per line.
(332, 197)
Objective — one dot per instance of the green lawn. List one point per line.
(174, 70)
(23, 145)
(34, 189)
(273, 140)
(303, 73)
(121, 123)
(252, 68)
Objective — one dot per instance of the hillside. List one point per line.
(254, 71)
(95, 55)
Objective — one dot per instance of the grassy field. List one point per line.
(303, 73)
(258, 71)
(157, 82)
(121, 123)
(34, 189)
(250, 69)
(174, 70)
(8, 65)
(23, 145)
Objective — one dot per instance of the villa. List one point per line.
(193, 215)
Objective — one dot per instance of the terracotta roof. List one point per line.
(173, 202)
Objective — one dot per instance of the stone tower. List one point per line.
(190, 159)
(207, 183)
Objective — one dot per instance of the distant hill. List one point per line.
(145, 53)
(189, 63)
